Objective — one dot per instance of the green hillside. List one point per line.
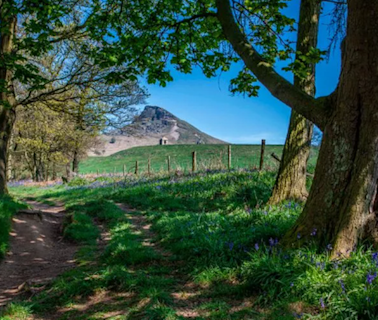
(208, 157)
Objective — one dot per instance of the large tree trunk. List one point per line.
(291, 179)
(341, 205)
(7, 118)
(7, 99)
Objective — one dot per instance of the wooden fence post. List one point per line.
(194, 161)
(229, 157)
(169, 164)
(262, 154)
(136, 167)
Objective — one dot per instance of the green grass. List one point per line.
(208, 156)
(8, 207)
(222, 239)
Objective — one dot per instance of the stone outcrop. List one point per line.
(148, 128)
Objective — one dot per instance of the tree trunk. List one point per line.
(7, 98)
(291, 179)
(54, 175)
(75, 162)
(68, 172)
(10, 159)
(7, 118)
(341, 205)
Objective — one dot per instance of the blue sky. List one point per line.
(208, 105)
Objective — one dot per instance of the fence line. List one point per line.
(231, 162)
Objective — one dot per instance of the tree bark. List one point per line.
(7, 119)
(75, 162)
(291, 179)
(341, 206)
(7, 98)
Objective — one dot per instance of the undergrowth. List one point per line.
(223, 240)
(8, 207)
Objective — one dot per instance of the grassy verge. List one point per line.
(8, 207)
(225, 261)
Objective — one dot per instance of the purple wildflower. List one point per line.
(370, 277)
(320, 265)
(322, 303)
(342, 285)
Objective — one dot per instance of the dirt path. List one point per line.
(37, 252)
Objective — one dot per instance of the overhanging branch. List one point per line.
(309, 107)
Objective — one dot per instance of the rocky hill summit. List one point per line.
(153, 126)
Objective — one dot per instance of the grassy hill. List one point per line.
(208, 156)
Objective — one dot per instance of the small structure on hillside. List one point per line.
(163, 141)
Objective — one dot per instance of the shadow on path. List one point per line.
(37, 252)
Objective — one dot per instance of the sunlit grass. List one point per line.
(225, 260)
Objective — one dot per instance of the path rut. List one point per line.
(37, 252)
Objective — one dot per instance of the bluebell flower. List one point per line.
(370, 277)
(322, 303)
(342, 285)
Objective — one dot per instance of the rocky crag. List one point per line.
(153, 124)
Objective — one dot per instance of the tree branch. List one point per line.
(196, 16)
(313, 109)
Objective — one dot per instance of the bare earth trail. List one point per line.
(37, 252)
